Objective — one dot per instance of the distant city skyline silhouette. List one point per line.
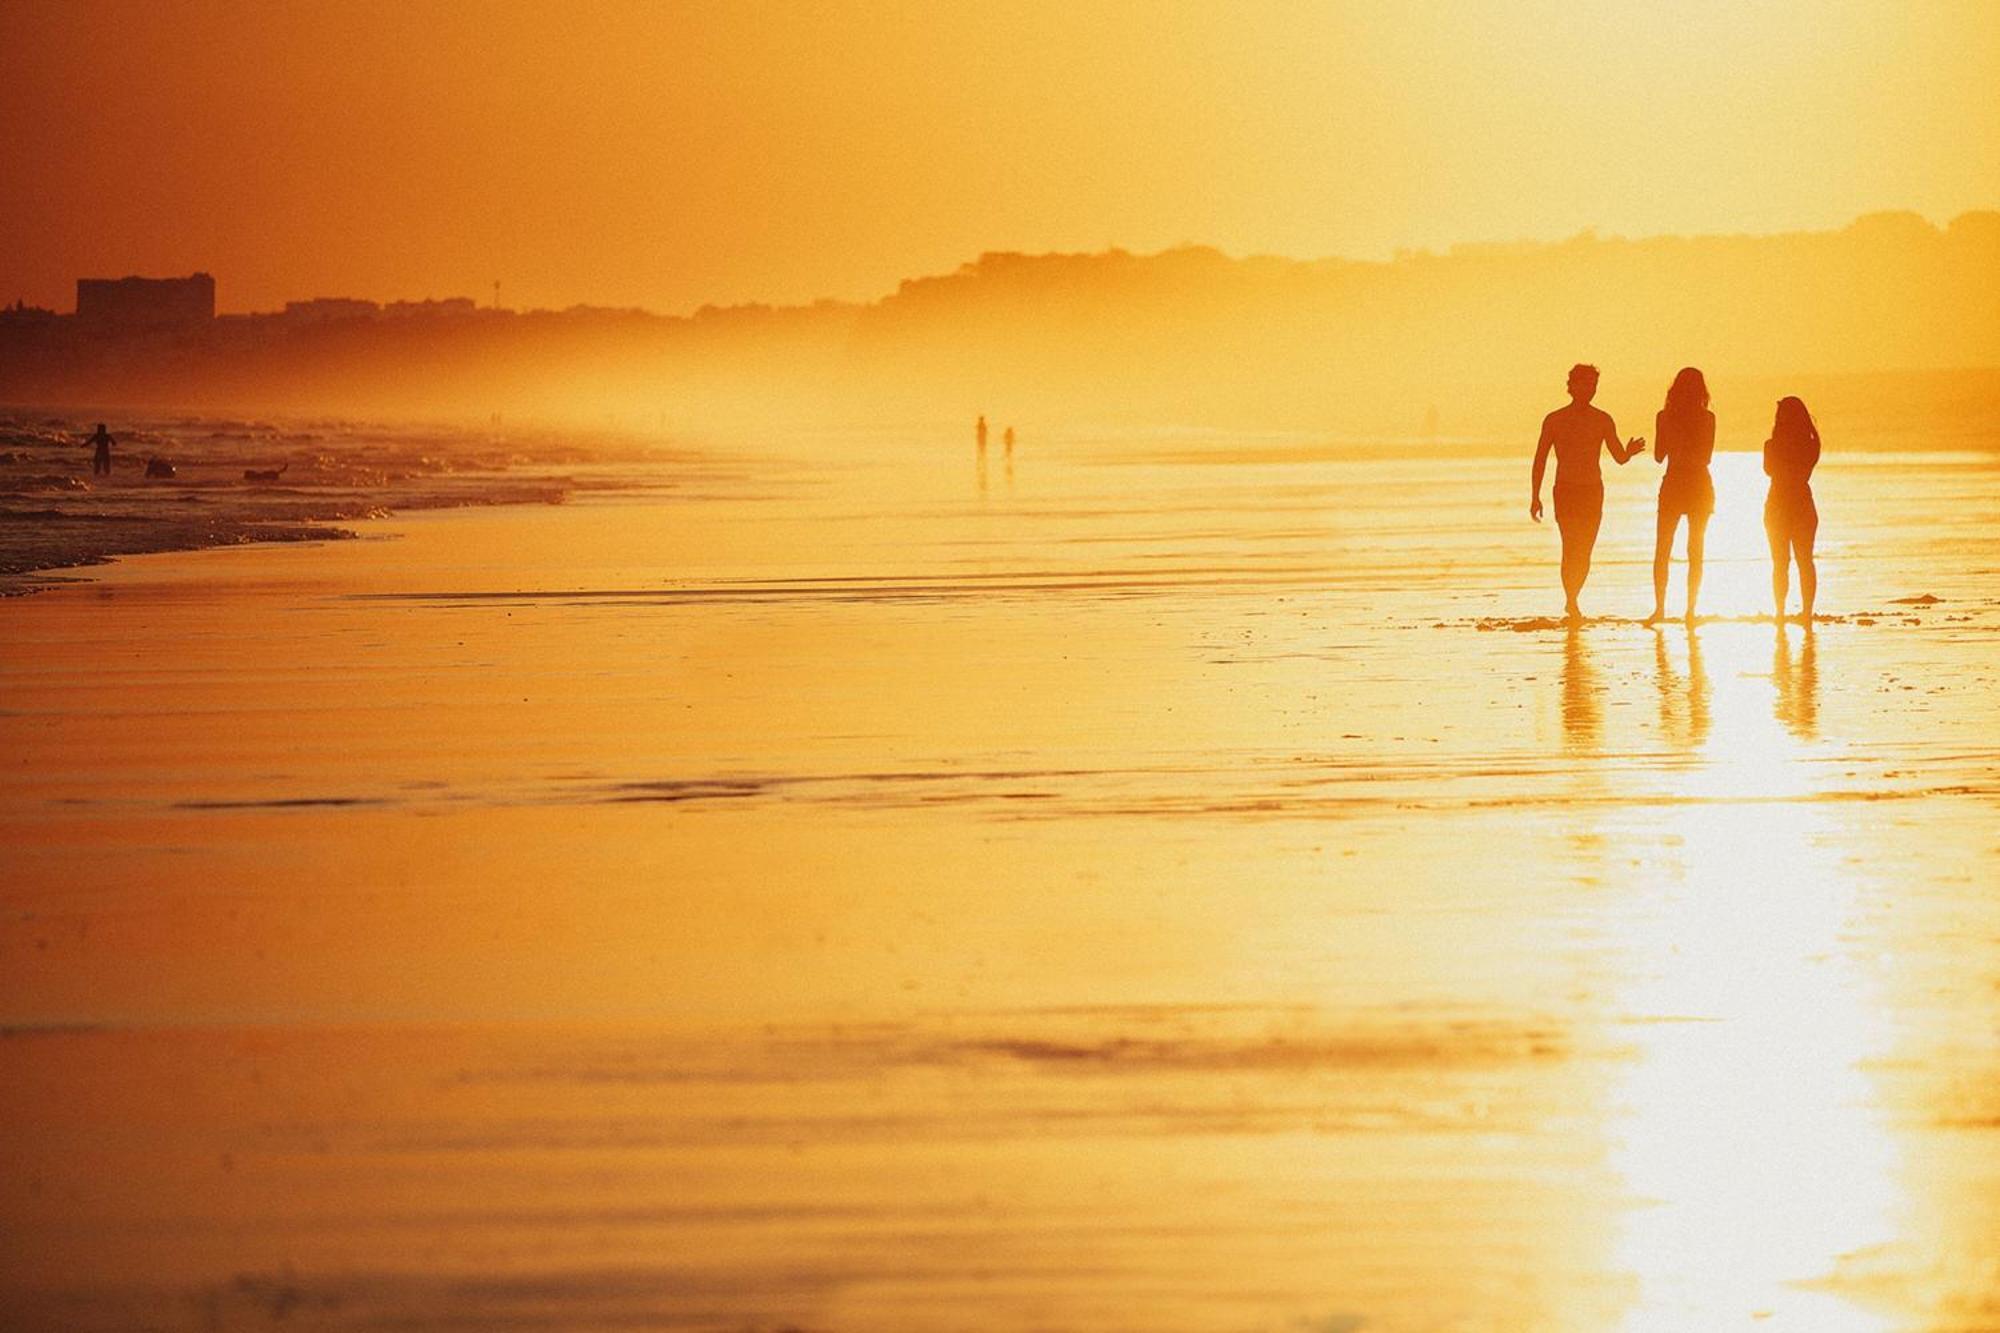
(1910, 224)
(1443, 347)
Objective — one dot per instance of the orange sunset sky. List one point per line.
(668, 155)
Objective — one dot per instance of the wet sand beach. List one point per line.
(232, 480)
(858, 891)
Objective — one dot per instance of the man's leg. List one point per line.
(1587, 512)
(1572, 544)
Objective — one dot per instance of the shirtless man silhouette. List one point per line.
(1575, 433)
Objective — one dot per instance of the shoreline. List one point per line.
(236, 482)
(168, 538)
(756, 860)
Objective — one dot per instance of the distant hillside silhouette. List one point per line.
(1875, 312)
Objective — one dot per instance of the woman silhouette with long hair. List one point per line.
(1683, 439)
(1791, 520)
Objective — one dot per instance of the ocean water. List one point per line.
(852, 887)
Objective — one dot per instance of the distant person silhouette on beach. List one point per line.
(1575, 433)
(1791, 519)
(979, 433)
(1007, 441)
(1683, 439)
(100, 463)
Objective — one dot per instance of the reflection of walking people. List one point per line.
(100, 462)
(1582, 704)
(1797, 701)
(1683, 439)
(1575, 433)
(1791, 519)
(1683, 704)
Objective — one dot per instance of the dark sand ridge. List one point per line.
(55, 515)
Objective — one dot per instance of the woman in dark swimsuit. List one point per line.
(1791, 520)
(1683, 439)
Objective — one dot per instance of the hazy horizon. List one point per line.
(1403, 254)
(621, 154)
(1473, 340)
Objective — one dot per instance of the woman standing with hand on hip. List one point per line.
(1791, 520)
(1683, 439)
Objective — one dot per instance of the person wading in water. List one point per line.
(100, 463)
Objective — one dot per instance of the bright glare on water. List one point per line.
(1106, 890)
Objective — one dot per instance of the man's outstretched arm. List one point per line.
(1626, 452)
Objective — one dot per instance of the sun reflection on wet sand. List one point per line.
(837, 903)
(1745, 1127)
